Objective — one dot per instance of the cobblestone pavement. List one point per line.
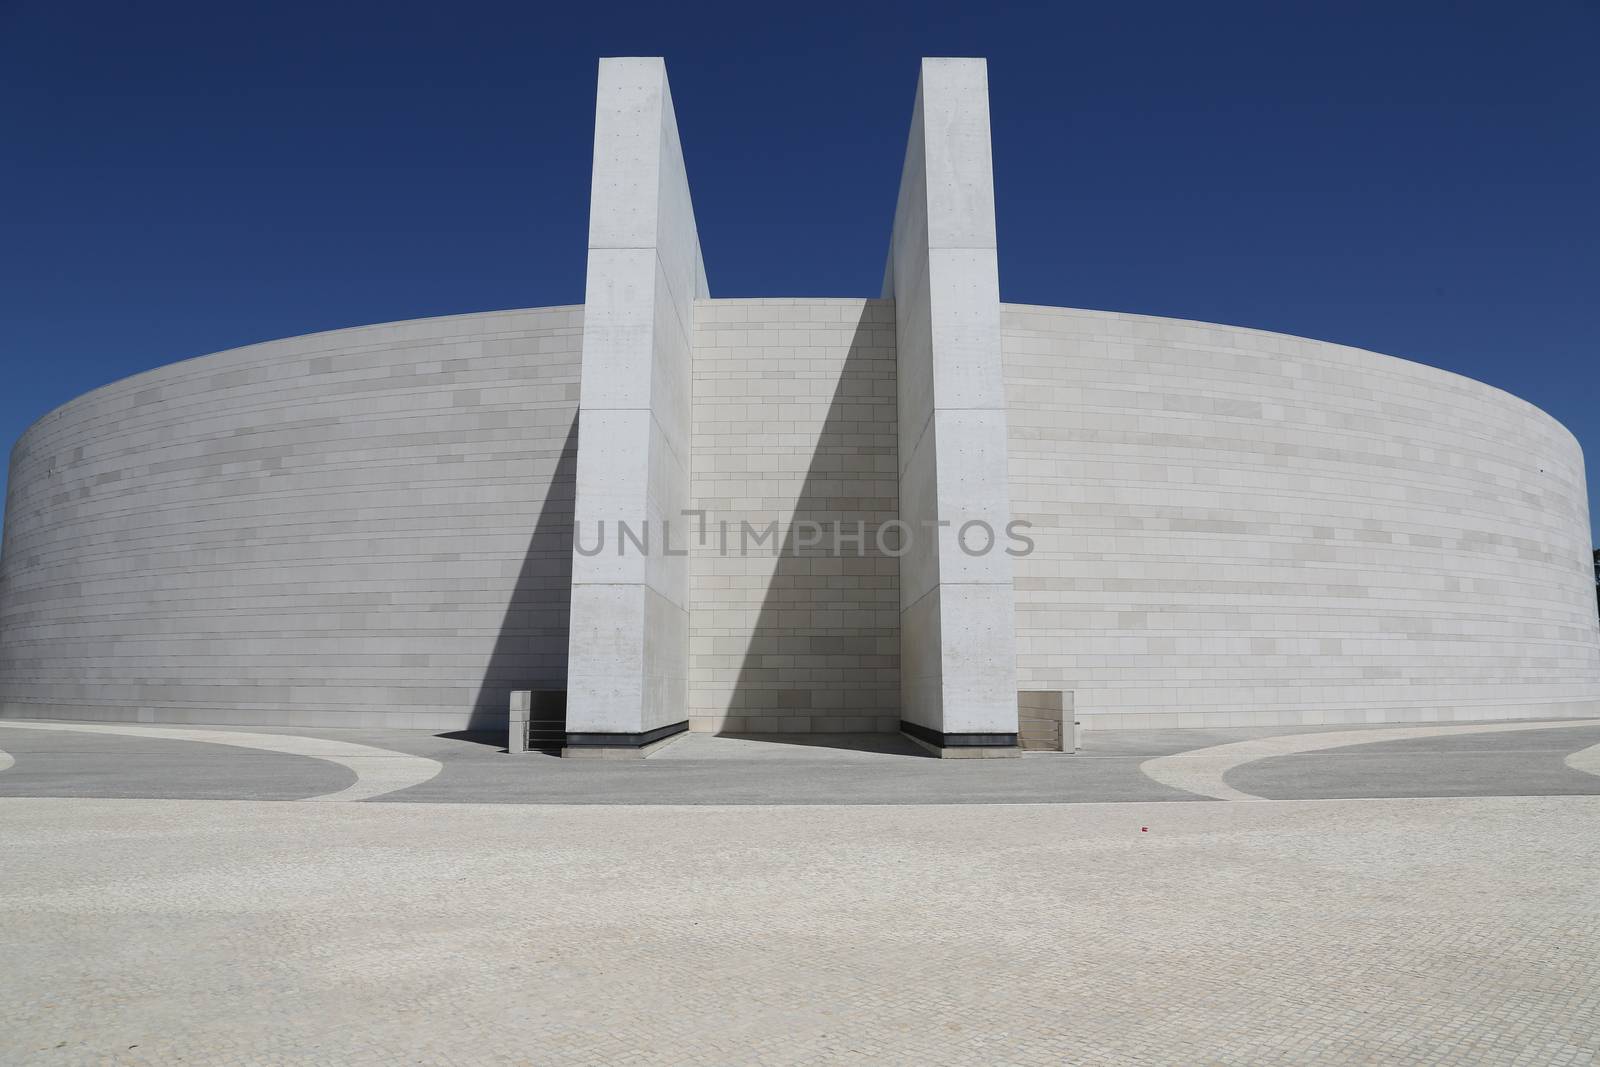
(234, 932)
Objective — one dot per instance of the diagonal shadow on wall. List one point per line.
(822, 663)
(530, 652)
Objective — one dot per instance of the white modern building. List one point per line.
(402, 524)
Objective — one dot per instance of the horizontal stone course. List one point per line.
(1241, 528)
(794, 421)
(368, 527)
(372, 527)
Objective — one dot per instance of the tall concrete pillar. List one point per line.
(628, 657)
(957, 615)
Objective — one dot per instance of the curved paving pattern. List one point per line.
(377, 770)
(1586, 760)
(1519, 763)
(112, 766)
(1201, 770)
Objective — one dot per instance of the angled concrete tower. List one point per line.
(958, 656)
(628, 659)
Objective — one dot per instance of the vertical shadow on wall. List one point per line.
(812, 626)
(530, 651)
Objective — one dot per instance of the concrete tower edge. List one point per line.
(628, 638)
(957, 608)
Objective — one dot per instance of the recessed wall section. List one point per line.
(794, 423)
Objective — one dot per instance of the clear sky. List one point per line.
(1415, 178)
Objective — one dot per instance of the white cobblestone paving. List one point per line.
(1586, 760)
(221, 932)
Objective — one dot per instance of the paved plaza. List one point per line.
(160, 904)
(1421, 931)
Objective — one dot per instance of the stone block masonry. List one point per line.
(794, 423)
(368, 527)
(1239, 528)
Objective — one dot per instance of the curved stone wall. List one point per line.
(373, 527)
(1243, 528)
(367, 527)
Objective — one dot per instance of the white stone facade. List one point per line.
(1237, 528)
(794, 419)
(376, 526)
(368, 527)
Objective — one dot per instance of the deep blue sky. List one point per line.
(1414, 178)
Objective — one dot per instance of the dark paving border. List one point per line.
(1513, 763)
(113, 766)
(477, 769)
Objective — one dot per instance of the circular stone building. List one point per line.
(917, 513)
